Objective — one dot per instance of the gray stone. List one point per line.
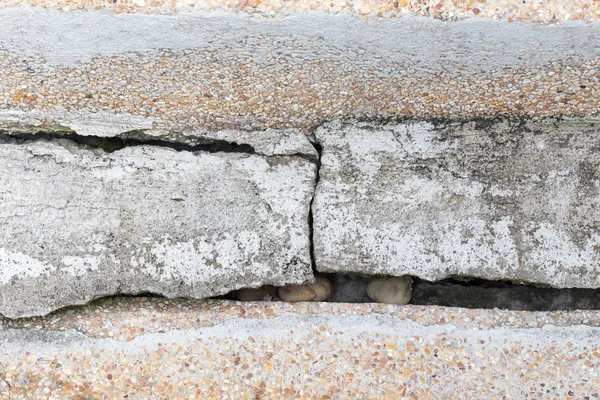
(79, 223)
(349, 289)
(60, 122)
(511, 201)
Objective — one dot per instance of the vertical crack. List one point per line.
(319, 150)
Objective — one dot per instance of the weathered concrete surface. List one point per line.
(79, 223)
(76, 37)
(492, 200)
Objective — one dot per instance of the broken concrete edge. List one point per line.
(102, 127)
(114, 131)
(270, 141)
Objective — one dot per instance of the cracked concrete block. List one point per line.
(104, 125)
(510, 201)
(79, 223)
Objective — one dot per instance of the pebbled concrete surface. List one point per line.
(496, 200)
(538, 11)
(79, 223)
(151, 348)
(229, 70)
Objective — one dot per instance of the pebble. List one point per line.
(394, 290)
(296, 293)
(318, 291)
(263, 293)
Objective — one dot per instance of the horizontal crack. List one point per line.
(112, 144)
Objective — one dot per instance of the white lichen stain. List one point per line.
(559, 257)
(14, 264)
(80, 265)
(200, 260)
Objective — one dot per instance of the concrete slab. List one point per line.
(232, 69)
(147, 348)
(79, 223)
(497, 200)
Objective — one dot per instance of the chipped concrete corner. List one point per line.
(510, 201)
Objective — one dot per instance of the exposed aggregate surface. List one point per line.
(158, 348)
(265, 80)
(540, 11)
(220, 91)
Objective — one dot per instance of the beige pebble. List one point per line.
(296, 293)
(257, 294)
(394, 290)
(322, 288)
(318, 291)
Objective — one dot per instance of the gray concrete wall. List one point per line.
(78, 223)
(504, 200)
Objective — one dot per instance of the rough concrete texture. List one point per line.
(79, 223)
(31, 31)
(504, 200)
(539, 11)
(155, 348)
